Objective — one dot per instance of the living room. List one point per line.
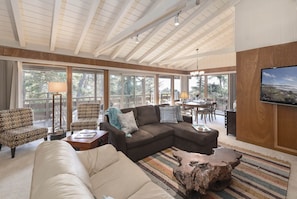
(265, 36)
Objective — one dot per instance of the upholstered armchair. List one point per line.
(87, 117)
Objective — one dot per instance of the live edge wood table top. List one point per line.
(81, 144)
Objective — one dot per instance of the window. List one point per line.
(177, 87)
(218, 90)
(131, 90)
(164, 90)
(196, 87)
(87, 86)
(36, 95)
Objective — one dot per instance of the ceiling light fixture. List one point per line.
(136, 39)
(176, 20)
(197, 72)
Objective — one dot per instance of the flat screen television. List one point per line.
(279, 85)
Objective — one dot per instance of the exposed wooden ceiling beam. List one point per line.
(91, 15)
(126, 6)
(215, 36)
(56, 14)
(176, 30)
(144, 42)
(208, 53)
(38, 56)
(18, 22)
(164, 10)
(180, 51)
(120, 47)
(227, 28)
(183, 50)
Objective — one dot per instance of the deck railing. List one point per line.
(42, 107)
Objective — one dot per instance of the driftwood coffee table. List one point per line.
(199, 172)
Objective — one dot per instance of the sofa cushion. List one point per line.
(150, 190)
(126, 110)
(139, 138)
(158, 130)
(146, 115)
(168, 114)
(54, 153)
(186, 131)
(62, 186)
(94, 161)
(127, 121)
(120, 180)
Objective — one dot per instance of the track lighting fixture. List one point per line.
(136, 39)
(176, 20)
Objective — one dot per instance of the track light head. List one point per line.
(136, 40)
(176, 20)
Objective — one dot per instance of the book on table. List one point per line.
(201, 128)
(84, 134)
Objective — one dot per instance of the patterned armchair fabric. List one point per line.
(16, 128)
(88, 115)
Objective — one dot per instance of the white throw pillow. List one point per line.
(127, 121)
(168, 114)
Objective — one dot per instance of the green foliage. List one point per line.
(36, 82)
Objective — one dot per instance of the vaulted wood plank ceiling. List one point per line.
(109, 29)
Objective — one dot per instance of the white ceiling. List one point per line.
(107, 30)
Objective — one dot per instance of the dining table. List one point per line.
(194, 106)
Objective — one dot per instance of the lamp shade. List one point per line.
(55, 87)
(184, 95)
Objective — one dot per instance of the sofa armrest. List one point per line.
(187, 118)
(116, 137)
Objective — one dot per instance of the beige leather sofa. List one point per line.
(62, 173)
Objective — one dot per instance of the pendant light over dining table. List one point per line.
(197, 72)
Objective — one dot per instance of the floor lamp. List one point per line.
(56, 88)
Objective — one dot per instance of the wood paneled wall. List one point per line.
(268, 125)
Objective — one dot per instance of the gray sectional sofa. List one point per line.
(153, 136)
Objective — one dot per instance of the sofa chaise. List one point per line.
(153, 134)
(60, 172)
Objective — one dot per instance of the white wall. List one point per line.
(260, 23)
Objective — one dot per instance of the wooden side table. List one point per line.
(80, 144)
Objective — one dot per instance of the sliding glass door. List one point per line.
(35, 92)
(164, 90)
(211, 87)
(87, 86)
(218, 90)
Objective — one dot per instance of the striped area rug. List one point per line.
(255, 177)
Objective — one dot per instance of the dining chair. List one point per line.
(206, 112)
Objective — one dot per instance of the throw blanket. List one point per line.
(112, 114)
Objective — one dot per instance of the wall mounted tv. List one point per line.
(279, 85)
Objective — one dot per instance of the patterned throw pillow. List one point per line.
(127, 121)
(168, 114)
